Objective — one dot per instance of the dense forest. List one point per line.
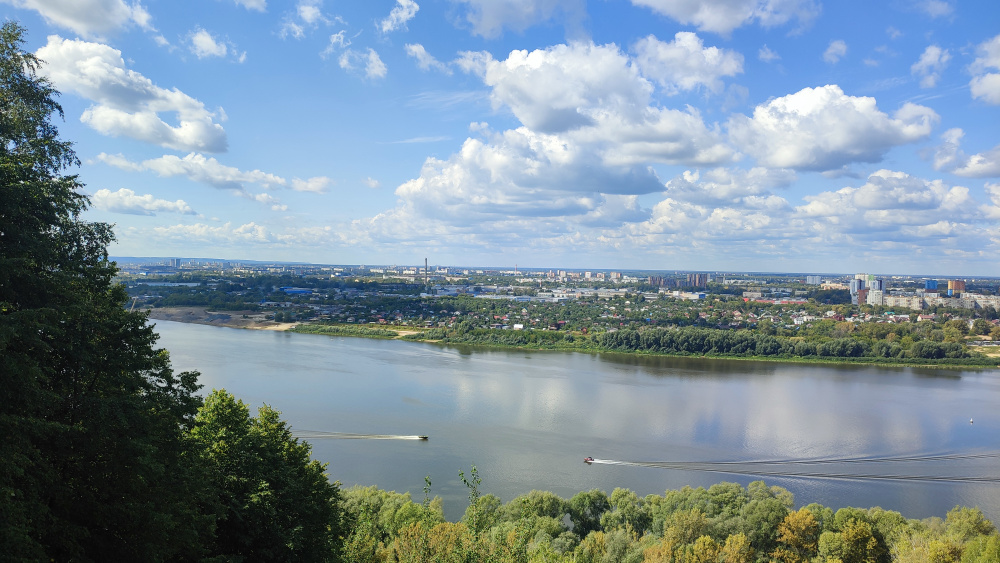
(108, 455)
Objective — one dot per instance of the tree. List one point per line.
(585, 510)
(798, 535)
(275, 503)
(981, 327)
(93, 465)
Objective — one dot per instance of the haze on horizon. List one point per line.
(737, 135)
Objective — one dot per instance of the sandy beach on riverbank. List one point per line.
(199, 315)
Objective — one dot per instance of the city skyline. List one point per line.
(721, 135)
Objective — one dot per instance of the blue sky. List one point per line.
(774, 135)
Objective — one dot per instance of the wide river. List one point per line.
(526, 420)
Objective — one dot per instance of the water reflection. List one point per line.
(527, 419)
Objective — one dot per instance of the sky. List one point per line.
(732, 135)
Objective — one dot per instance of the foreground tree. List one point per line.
(93, 462)
(273, 503)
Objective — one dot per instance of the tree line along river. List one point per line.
(899, 438)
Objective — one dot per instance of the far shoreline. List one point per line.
(254, 320)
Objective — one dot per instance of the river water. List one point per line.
(527, 419)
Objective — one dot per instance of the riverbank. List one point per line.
(258, 321)
(252, 320)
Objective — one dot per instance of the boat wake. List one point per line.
(856, 468)
(316, 434)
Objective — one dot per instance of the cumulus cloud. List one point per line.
(425, 60)
(992, 212)
(949, 156)
(204, 45)
(936, 8)
(128, 202)
(251, 233)
(595, 98)
(717, 186)
(256, 5)
(723, 16)
(308, 15)
(318, 184)
(128, 104)
(89, 18)
(767, 55)
(374, 67)
(489, 18)
(824, 129)
(985, 85)
(931, 64)
(372, 183)
(685, 63)
(893, 205)
(404, 11)
(198, 168)
(268, 200)
(835, 51)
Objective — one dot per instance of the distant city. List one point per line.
(914, 292)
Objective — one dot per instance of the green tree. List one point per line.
(981, 327)
(93, 464)
(585, 510)
(275, 504)
(798, 535)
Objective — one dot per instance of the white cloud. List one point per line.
(767, 55)
(891, 205)
(257, 5)
(723, 16)
(992, 212)
(126, 201)
(268, 200)
(985, 85)
(242, 234)
(823, 129)
(835, 51)
(317, 184)
(89, 18)
(309, 11)
(595, 98)
(949, 156)
(198, 168)
(308, 15)
(685, 63)
(931, 64)
(372, 183)
(936, 8)
(404, 11)
(338, 40)
(893, 33)
(424, 59)
(374, 67)
(127, 103)
(488, 18)
(725, 186)
(289, 27)
(204, 45)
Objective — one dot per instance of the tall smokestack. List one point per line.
(426, 276)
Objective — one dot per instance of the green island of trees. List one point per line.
(108, 455)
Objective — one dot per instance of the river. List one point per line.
(527, 419)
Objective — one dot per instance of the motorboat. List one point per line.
(588, 460)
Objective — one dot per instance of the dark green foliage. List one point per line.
(346, 330)
(747, 343)
(273, 503)
(585, 510)
(93, 465)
